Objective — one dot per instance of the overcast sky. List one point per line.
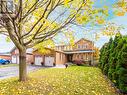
(7, 46)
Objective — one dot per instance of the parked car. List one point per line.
(4, 61)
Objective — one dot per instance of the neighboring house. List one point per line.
(6, 56)
(15, 56)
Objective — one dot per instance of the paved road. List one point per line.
(8, 72)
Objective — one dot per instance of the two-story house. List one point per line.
(81, 50)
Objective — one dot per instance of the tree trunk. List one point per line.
(22, 65)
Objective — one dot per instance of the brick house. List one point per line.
(51, 58)
(15, 56)
(81, 50)
(6, 56)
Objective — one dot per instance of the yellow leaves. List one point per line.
(46, 44)
(79, 20)
(8, 39)
(125, 9)
(108, 33)
(66, 3)
(100, 20)
(120, 13)
(75, 80)
(97, 36)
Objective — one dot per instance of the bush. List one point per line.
(78, 62)
(32, 63)
(113, 61)
(105, 70)
(42, 63)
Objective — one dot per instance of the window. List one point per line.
(85, 46)
(78, 46)
(81, 56)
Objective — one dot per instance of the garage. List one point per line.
(38, 60)
(13, 59)
(49, 60)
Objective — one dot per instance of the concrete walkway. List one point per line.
(59, 66)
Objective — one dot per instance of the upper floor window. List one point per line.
(85, 46)
(78, 46)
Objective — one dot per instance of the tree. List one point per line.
(104, 57)
(36, 21)
(113, 55)
(121, 69)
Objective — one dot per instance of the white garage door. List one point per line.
(49, 61)
(17, 60)
(38, 60)
(13, 59)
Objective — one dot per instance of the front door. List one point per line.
(69, 57)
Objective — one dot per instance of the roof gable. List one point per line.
(81, 40)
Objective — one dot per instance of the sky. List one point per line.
(7, 46)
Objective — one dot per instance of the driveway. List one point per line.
(8, 72)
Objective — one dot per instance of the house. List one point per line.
(15, 56)
(81, 50)
(46, 59)
(6, 56)
(51, 58)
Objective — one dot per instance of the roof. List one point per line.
(28, 51)
(75, 42)
(35, 49)
(83, 39)
(5, 54)
(81, 51)
(12, 49)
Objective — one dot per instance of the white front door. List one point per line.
(13, 60)
(49, 61)
(38, 60)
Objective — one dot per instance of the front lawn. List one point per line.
(8, 65)
(75, 80)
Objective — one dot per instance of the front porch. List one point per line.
(84, 56)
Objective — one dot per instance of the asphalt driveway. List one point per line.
(8, 72)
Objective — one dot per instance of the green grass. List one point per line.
(75, 80)
(8, 65)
